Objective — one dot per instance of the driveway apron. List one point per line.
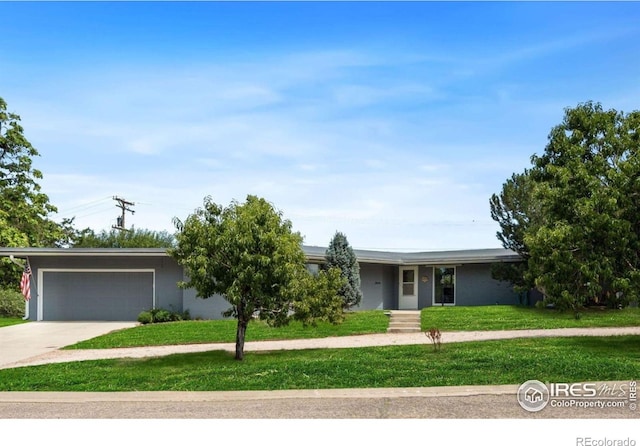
(23, 341)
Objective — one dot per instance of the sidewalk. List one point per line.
(374, 340)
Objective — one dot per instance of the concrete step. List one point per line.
(403, 326)
(405, 317)
(404, 322)
(403, 330)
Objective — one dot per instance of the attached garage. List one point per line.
(99, 284)
(85, 294)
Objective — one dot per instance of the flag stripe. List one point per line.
(25, 282)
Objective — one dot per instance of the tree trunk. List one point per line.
(241, 330)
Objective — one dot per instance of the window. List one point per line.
(444, 285)
(408, 282)
(313, 268)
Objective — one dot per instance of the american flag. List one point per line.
(25, 282)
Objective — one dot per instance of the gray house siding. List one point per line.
(425, 286)
(377, 282)
(199, 308)
(214, 306)
(379, 286)
(474, 286)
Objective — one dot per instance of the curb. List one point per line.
(400, 392)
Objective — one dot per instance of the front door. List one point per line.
(408, 293)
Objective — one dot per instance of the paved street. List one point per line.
(483, 402)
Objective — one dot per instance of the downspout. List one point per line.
(26, 302)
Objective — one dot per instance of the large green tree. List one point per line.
(134, 238)
(516, 211)
(24, 209)
(574, 217)
(340, 255)
(247, 253)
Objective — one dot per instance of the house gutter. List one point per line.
(84, 252)
(312, 254)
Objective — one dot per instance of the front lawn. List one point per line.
(506, 317)
(6, 321)
(514, 361)
(494, 317)
(202, 332)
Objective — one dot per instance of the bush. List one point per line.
(145, 318)
(184, 316)
(11, 303)
(159, 315)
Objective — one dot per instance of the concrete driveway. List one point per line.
(23, 341)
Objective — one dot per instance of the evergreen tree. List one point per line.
(340, 255)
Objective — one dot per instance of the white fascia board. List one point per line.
(378, 257)
(461, 261)
(83, 252)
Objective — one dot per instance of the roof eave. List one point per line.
(458, 261)
(83, 252)
(426, 259)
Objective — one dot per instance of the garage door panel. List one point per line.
(105, 296)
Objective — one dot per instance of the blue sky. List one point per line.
(392, 122)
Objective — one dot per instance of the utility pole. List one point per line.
(124, 205)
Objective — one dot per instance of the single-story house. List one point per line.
(116, 284)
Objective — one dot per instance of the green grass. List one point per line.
(6, 321)
(494, 317)
(506, 317)
(513, 361)
(199, 332)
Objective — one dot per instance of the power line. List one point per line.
(94, 212)
(73, 211)
(85, 205)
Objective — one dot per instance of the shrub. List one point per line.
(435, 336)
(159, 315)
(184, 316)
(145, 318)
(11, 303)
